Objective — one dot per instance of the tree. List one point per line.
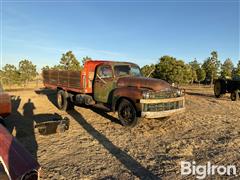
(172, 70)
(187, 73)
(194, 67)
(198, 74)
(148, 70)
(58, 67)
(236, 71)
(85, 59)
(201, 75)
(27, 71)
(227, 68)
(69, 62)
(211, 66)
(10, 75)
(46, 68)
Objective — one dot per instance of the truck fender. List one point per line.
(130, 93)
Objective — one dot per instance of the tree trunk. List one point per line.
(211, 80)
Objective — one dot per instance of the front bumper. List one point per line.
(162, 107)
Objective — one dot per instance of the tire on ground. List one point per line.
(234, 95)
(219, 88)
(127, 113)
(63, 101)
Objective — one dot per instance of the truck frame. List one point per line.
(118, 86)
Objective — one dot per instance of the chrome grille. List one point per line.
(155, 107)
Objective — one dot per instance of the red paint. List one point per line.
(89, 67)
(15, 158)
(5, 104)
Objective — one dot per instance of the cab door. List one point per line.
(103, 83)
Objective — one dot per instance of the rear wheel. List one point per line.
(219, 88)
(63, 101)
(127, 113)
(235, 95)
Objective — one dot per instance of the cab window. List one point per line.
(105, 72)
(122, 70)
(126, 70)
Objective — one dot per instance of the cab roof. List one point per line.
(96, 62)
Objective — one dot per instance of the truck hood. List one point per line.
(144, 83)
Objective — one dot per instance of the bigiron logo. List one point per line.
(202, 171)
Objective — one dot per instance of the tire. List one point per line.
(219, 88)
(127, 113)
(234, 95)
(63, 101)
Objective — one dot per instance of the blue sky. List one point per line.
(137, 31)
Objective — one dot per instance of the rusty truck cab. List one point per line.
(117, 82)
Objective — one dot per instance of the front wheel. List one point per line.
(63, 101)
(127, 113)
(235, 95)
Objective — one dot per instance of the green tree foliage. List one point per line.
(211, 67)
(69, 62)
(236, 71)
(172, 70)
(27, 71)
(46, 68)
(148, 70)
(194, 67)
(86, 58)
(227, 68)
(201, 75)
(197, 72)
(10, 75)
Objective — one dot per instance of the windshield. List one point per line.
(126, 70)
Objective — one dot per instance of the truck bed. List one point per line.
(68, 80)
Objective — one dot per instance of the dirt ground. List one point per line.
(96, 146)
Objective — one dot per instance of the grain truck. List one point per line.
(119, 86)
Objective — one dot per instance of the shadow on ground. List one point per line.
(200, 94)
(23, 124)
(51, 95)
(129, 162)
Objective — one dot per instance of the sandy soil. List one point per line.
(96, 146)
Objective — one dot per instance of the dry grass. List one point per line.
(97, 147)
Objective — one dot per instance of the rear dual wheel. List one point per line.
(63, 101)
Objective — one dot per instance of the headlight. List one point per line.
(146, 95)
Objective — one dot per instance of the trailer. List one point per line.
(223, 86)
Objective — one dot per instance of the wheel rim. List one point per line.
(127, 113)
